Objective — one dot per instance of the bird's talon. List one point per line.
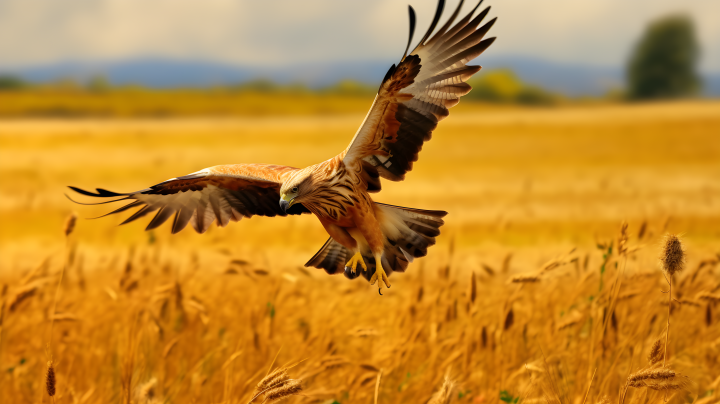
(380, 277)
(354, 260)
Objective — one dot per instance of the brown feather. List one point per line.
(416, 95)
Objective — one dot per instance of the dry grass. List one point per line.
(149, 318)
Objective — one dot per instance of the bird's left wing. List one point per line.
(222, 193)
(416, 95)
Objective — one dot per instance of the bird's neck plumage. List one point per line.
(334, 189)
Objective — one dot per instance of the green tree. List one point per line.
(98, 84)
(11, 83)
(504, 86)
(664, 62)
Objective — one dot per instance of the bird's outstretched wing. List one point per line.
(416, 95)
(222, 193)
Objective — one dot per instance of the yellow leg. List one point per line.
(354, 260)
(379, 274)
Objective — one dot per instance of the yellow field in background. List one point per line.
(511, 176)
(150, 317)
(133, 102)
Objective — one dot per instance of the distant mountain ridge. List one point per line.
(568, 79)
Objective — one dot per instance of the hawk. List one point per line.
(366, 237)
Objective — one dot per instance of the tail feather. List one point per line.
(331, 257)
(408, 234)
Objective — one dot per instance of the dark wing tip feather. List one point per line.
(483, 14)
(485, 28)
(476, 7)
(101, 193)
(140, 213)
(121, 209)
(411, 13)
(435, 21)
(161, 217)
(94, 203)
(488, 41)
(449, 22)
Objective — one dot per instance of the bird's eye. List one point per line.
(294, 190)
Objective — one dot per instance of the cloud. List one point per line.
(271, 32)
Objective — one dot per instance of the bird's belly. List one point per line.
(346, 220)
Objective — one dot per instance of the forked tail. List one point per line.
(408, 234)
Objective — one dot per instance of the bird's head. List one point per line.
(293, 190)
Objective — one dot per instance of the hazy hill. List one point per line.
(568, 79)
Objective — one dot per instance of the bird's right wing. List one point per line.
(416, 95)
(222, 193)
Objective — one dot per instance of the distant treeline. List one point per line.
(98, 97)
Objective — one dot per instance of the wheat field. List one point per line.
(536, 292)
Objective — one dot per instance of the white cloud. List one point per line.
(270, 32)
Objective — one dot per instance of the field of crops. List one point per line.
(533, 293)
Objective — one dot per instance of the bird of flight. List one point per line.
(366, 238)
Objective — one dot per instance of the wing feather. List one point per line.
(417, 93)
(121, 209)
(182, 218)
(161, 217)
(217, 194)
(140, 213)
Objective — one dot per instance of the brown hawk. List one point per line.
(414, 96)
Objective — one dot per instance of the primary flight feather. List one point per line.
(366, 237)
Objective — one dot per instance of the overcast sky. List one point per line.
(269, 32)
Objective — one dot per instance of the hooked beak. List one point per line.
(286, 202)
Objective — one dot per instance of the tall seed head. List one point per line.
(662, 379)
(287, 388)
(673, 255)
(509, 319)
(70, 223)
(273, 379)
(656, 352)
(50, 379)
(623, 238)
(473, 288)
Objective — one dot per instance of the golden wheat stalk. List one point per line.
(569, 321)
(473, 288)
(711, 297)
(50, 379)
(656, 379)
(277, 385)
(587, 393)
(443, 395)
(525, 278)
(273, 379)
(377, 385)
(70, 222)
(286, 389)
(509, 320)
(656, 353)
(21, 296)
(623, 239)
(673, 261)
